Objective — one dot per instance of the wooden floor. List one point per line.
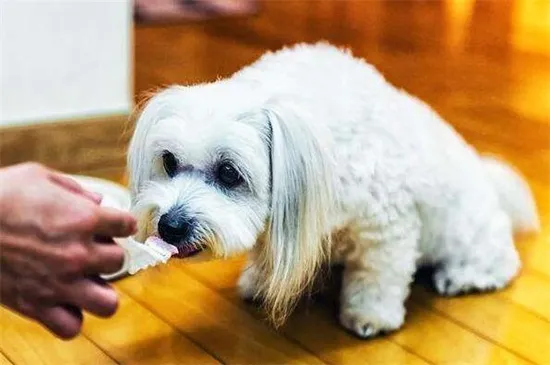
(484, 65)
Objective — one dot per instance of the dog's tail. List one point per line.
(514, 194)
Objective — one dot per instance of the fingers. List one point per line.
(64, 321)
(93, 296)
(73, 186)
(104, 258)
(76, 259)
(114, 223)
(84, 217)
(110, 222)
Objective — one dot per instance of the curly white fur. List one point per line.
(329, 148)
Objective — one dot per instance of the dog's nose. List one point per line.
(174, 228)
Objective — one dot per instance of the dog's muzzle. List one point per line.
(177, 228)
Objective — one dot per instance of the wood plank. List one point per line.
(426, 334)
(532, 291)
(4, 360)
(501, 321)
(69, 146)
(440, 340)
(210, 320)
(535, 250)
(25, 342)
(136, 336)
(314, 328)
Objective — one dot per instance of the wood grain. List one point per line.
(137, 336)
(215, 323)
(4, 360)
(427, 333)
(498, 320)
(69, 146)
(483, 65)
(25, 342)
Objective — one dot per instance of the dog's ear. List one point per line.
(302, 201)
(147, 113)
(142, 119)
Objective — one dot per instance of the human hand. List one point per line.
(50, 254)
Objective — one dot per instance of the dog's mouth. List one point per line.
(188, 250)
(179, 251)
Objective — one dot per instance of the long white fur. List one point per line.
(329, 149)
(302, 192)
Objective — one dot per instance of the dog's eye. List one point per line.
(229, 176)
(170, 163)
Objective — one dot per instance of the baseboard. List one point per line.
(95, 144)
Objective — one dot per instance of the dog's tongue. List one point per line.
(179, 251)
(163, 246)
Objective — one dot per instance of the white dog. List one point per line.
(310, 155)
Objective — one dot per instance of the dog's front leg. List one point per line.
(377, 276)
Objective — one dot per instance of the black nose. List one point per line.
(175, 227)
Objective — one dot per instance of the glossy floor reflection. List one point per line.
(484, 65)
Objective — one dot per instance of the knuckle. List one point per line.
(87, 218)
(81, 220)
(43, 292)
(33, 289)
(74, 258)
(25, 306)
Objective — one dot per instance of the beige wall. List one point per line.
(64, 59)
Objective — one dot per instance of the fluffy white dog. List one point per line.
(310, 155)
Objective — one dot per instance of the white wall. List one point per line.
(64, 59)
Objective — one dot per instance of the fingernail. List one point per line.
(111, 298)
(110, 294)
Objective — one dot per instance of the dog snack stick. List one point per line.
(159, 244)
(144, 255)
(140, 256)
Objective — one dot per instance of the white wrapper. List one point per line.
(138, 255)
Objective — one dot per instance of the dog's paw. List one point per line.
(367, 325)
(451, 282)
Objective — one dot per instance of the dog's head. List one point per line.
(213, 167)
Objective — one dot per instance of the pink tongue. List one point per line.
(157, 241)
